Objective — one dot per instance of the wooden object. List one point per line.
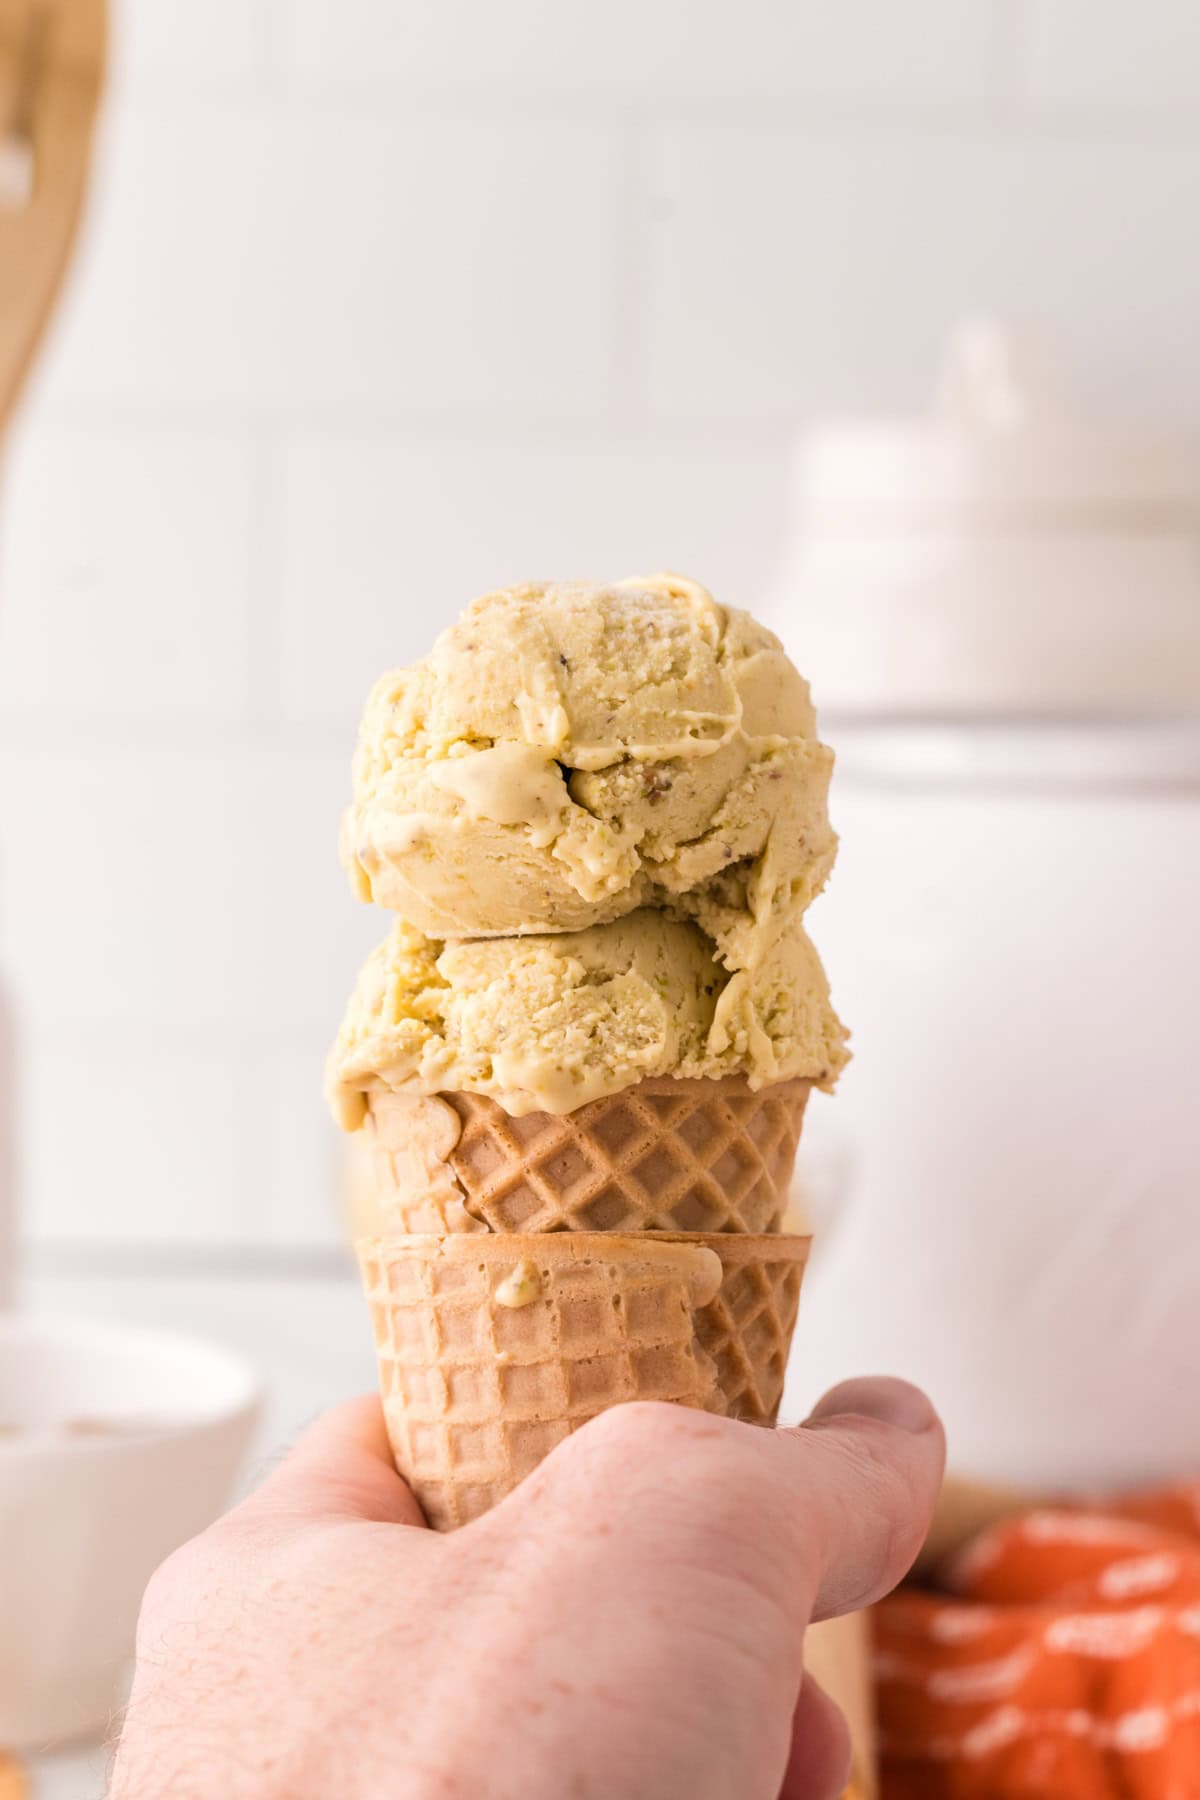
(51, 73)
(837, 1654)
(838, 1651)
(964, 1509)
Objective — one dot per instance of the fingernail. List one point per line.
(879, 1397)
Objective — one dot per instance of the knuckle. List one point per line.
(165, 1592)
(634, 1422)
(616, 1453)
(643, 1433)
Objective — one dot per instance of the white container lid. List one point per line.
(1002, 554)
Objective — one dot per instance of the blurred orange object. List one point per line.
(13, 1785)
(1061, 1659)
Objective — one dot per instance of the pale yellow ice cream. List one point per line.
(548, 1023)
(567, 753)
(599, 814)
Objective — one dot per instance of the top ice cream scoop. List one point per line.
(568, 753)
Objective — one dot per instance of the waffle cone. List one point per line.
(493, 1348)
(664, 1155)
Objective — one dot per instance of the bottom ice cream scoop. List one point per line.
(549, 1023)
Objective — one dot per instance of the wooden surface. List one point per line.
(837, 1653)
(51, 72)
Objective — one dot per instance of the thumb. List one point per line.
(868, 1462)
(831, 1513)
(340, 1468)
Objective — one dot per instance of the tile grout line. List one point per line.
(262, 699)
(1008, 57)
(251, 1061)
(142, 1259)
(412, 429)
(630, 338)
(270, 66)
(867, 115)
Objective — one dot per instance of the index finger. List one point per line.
(341, 1468)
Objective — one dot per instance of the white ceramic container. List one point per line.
(1003, 635)
(115, 1447)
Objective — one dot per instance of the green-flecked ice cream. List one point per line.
(599, 814)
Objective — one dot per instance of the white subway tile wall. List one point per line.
(381, 535)
(380, 303)
(127, 577)
(135, 1138)
(832, 259)
(176, 41)
(651, 49)
(1119, 53)
(286, 260)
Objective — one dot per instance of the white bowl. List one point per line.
(116, 1445)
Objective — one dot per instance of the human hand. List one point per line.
(627, 1625)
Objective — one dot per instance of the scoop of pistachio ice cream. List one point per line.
(548, 1022)
(567, 753)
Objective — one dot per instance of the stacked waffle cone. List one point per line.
(494, 1342)
(578, 1068)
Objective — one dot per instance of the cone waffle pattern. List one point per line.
(665, 1155)
(747, 1328)
(478, 1389)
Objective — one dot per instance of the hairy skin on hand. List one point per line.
(630, 1622)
